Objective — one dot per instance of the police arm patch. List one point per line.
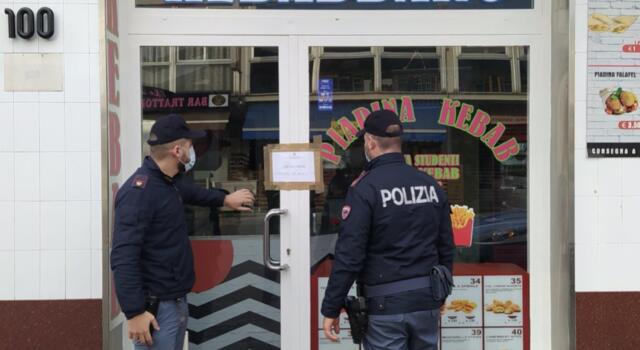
(346, 210)
(140, 181)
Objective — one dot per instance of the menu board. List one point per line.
(613, 60)
(461, 339)
(464, 305)
(503, 339)
(485, 312)
(503, 301)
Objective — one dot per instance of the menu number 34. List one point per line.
(25, 23)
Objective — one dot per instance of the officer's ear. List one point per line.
(369, 140)
(176, 148)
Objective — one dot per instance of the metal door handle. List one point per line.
(271, 264)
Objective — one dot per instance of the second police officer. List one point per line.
(396, 228)
(151, 255)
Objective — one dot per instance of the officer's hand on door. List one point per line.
(331, 328)
(139, 328)
(241, 200)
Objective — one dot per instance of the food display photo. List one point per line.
(503, 301)
(602, 23)
(618, 101)
(462, 218)
(464, 306)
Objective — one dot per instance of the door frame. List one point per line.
(293, 289)
(539, 148)
(294, 35)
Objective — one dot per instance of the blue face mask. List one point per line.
(192, 160)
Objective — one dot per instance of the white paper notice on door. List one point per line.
(293, 166)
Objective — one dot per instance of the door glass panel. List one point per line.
(415, 69)
(469, 161)
(235, 303)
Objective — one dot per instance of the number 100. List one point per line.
(26, 23)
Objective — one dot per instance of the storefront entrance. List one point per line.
(474, 118)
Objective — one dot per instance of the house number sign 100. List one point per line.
(25, 23)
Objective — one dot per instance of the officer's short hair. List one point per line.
(161, 151)
(386, 143)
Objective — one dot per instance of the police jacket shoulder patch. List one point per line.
(140, 181)
(346, 210)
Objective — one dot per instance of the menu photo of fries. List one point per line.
(462, 218)
(462, 305)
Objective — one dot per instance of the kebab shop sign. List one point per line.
(439, 166)
(454, 114)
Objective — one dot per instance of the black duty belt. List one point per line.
(396, 287)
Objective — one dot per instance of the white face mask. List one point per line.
(192, 160)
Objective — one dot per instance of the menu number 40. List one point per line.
(25, 23)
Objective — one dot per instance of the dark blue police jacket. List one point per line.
(396, 225)
(151, 253)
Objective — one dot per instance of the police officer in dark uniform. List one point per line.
(151, 256)
(396, 228)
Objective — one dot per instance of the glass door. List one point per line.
(231, 92)
(235, 93)
(465, 115)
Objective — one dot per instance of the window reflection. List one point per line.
(469, 170)
(198, 83)
(349, 75)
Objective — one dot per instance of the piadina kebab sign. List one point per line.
(453, 114)
(347, 4)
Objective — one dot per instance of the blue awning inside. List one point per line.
(261, 121)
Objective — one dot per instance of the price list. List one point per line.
(484, 313)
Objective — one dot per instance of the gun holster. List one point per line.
(358, 315)
(441, 282)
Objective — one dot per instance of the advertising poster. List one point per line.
(345, 343)
(461, 339)
(613, 60)
(464, 306)
(503, 301)
(503, 339)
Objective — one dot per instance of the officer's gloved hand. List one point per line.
(241, 200)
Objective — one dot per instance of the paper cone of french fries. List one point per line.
(462, 218)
